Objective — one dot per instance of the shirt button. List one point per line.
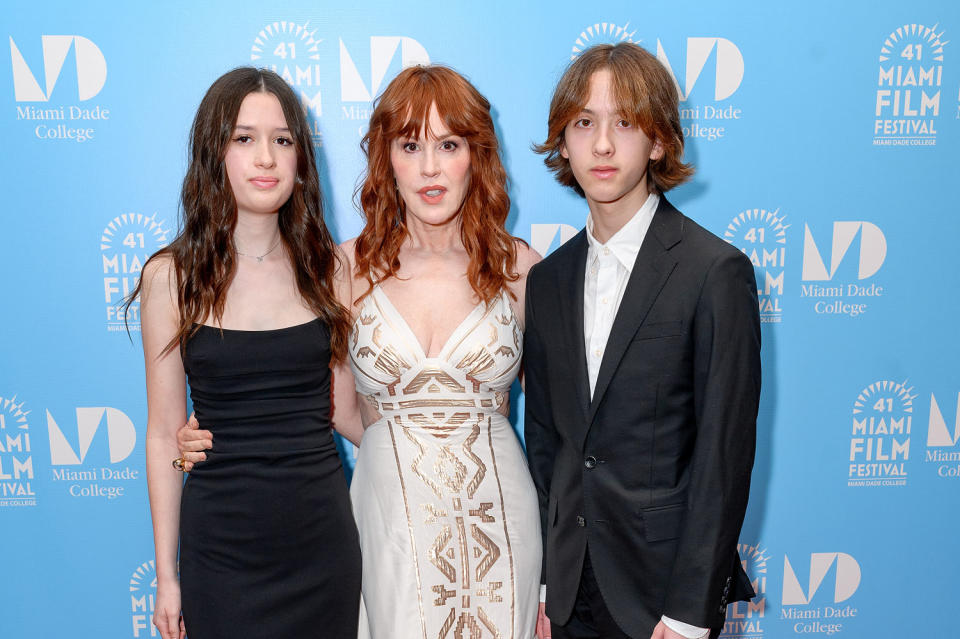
(606, 251)
(581, 521)
(603, 300)
(593, 271)
(597, 353)
(590, 462)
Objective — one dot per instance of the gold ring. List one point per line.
(178, 464)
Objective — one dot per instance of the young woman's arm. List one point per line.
(166, 411)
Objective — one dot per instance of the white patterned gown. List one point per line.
(447, 512)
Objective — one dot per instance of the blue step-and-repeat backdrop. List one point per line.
(826, 137)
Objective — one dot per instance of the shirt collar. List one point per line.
(625, 243)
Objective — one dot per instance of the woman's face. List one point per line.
(432, 172)
(261, 159)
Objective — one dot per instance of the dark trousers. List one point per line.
(590, 618)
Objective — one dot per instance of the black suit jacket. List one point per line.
(653, 473)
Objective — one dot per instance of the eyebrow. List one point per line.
(247, 127)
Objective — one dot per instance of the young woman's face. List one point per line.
(432, 172)
(261, 159)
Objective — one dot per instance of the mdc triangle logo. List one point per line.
(846, 583)
(729, 66)
(937, 432)
(873, 250)
(121, 435)
(90, 63)
(382, 51)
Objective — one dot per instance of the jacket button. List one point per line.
(590, 462)
(581, 521)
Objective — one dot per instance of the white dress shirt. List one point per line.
(608, 269)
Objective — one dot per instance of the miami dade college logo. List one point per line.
(60, 121)
(942, 446)
(909, 87)
(745, 618)
(545, 238)
(291, 51)
(843, 297)
(708, 122)
(383, 52)
(800, 604)
(126, 243)
(880, 435)
(85, 479)
(762, 237)
(16, 456)
(143, 596)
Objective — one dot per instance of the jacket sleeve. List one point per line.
(726, 334)
(540, 435)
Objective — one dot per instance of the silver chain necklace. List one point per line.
(259, 258)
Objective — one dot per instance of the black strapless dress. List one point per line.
(268, 544)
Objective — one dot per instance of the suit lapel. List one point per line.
(571, 283)
(650, 273)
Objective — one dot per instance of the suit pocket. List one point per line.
(654, 330)
(663, 522)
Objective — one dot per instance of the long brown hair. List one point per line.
(204, 254)
(403, 110)
(646, 96)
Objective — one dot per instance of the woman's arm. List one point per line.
(346, 407)
(166, 409)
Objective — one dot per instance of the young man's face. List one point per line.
(608, 156)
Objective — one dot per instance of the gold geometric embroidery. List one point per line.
(516, 336)
(494, 335)
(377, 334)
(365, 351)
(506, 351)
(434, 514)
(366, 320)
(355, 334)
(491, 591)
(425, 375)
(469, 623)
(415, 467)
(464, 558)
(448, 623)
(454, 479)
(433, 403)
(503, 319)
(434, 554)
(444, 595)
(476, 362)
(493, 551)
(391, 362)
(488, 622)
(481, 467)
(481, 512)
(438, 426)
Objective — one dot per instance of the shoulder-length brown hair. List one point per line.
(646, 96)
(403, 110)
(204, 254)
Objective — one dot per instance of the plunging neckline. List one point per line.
(405, 326)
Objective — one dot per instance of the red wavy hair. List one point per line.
(403, 111)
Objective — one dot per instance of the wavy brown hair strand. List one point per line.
(403, 111)
(204, 254)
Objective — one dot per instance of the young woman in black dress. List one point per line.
(242, 306)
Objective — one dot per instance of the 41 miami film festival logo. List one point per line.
(880, 435)
(745, 618)
(73, 71)
(16, 456)
(143, 598)
(293, 51)
(126, 243)
(709, 121)
(942, 442)
(69, 450)
(817, 609)
(909, 87)
(841, 290)
(762, 237)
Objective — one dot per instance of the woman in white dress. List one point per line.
(446, 510)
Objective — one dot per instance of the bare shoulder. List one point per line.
(159, 274)
(526, 258)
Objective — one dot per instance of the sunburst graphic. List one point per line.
(144, 575)
(915, 32)
(756, 558)
(771, 219)
(157, 229)
(14, 412)
(273, 30)
(885, 389)
(602, 32)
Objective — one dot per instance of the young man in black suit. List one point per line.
(642, 356)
